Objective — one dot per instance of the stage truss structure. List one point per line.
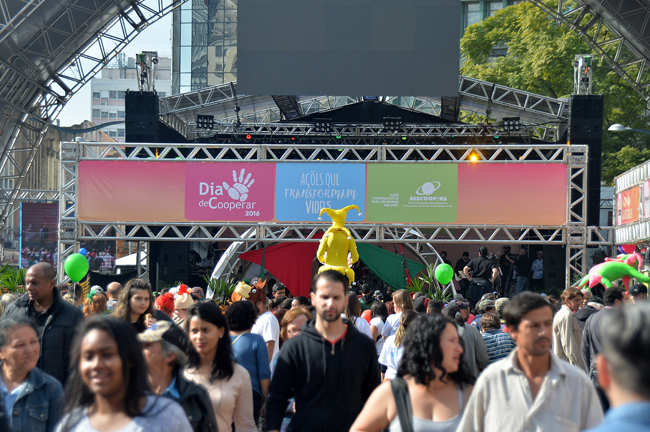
(574, 235)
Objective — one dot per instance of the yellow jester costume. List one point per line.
(337, 243)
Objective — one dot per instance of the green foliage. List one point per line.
(618, 162)
(522, 47)
(222, 288)
(12, 279)
(428, 285)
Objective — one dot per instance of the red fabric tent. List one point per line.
(291, 263)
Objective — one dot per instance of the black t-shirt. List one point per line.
(482, 268)
(522, 264)
(460, 265)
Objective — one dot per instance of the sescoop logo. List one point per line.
(428, 188)
(238, 191)
(425, 191)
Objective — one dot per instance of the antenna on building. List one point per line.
(146, 63)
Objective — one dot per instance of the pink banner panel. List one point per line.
(131, 191)
(512, 194)
(229, 191)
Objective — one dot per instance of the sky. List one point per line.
(156, 37)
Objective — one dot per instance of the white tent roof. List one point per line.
(130, 260)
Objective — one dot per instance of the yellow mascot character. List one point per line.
(337, 243)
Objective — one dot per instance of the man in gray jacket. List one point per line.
(55, 318)
(476, 355)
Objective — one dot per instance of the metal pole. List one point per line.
(138, 264)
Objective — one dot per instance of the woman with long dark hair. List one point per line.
(108, 388)
(135, 305)
(432, 378)
(211, 364)
(353, 313)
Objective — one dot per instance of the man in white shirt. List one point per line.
(531, 389)
(267, 324)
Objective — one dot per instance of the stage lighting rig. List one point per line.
(323, 125)
(205, 121)
(511, 124)
(392, 124)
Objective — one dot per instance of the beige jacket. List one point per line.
(567, 337)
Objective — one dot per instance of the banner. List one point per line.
(412, 193)
(628, 201)
(646, 198)
(422, 193)
(303, 189)
(229, 192)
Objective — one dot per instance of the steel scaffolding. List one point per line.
(574, 235)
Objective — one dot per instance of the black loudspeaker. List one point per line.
(171, 253)
(586, 127)
(141, 117)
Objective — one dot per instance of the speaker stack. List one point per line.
(586, 127)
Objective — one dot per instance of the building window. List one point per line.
(97, 95)
(112, 116)
(120, 94)
(120, 133)
(120, 114)
(96, 113)
(104, 114)
(112, 134)
(472, 14)
(112, 94)
(162, 94)
(492, 8)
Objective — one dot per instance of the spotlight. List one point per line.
(511, 124)
(205, 121)
(248, 136)
(392, 124)
(323, 125)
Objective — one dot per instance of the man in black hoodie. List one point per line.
(330, 369)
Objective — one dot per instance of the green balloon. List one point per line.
(444, 273)
(76, 267)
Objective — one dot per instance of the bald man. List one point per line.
(113, 290)
(55, 318)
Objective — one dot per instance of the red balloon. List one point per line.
(628, 249)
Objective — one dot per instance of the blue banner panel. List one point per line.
(303, 189)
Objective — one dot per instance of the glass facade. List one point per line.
(204, 44)
(476, 11)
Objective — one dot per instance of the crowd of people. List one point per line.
(487, 272)
(119, 359)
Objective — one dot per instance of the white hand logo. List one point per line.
(239, 189)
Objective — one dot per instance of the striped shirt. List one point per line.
(498, 343)
(502, 401)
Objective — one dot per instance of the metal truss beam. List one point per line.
(367, 133)
(343, 153)
(29, 102)
(543, 115)
(605, 38)
(575, 235)
(274, 232)
(38, 195)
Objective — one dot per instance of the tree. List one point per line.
(522, 47)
